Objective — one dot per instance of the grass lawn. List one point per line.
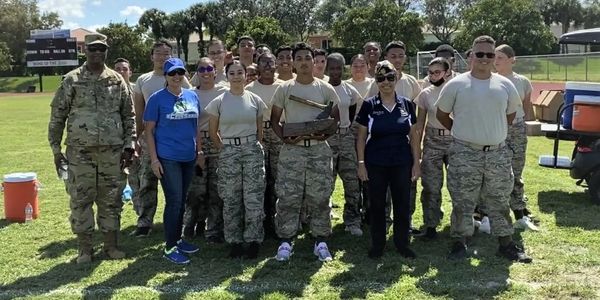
(35, 258)
(20, 84)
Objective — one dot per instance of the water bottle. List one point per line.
(127, 194)
(63, 170)
(28, 213)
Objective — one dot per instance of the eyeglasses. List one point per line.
(205, 69)
(486, 54)
(436, 72)
(94, 48)
(381, 78)
(179, 72)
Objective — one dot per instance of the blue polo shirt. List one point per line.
(388, 131)
(176, 123)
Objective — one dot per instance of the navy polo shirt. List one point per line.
(388, 131)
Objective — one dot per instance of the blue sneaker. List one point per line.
(176, 257)
(186, 247)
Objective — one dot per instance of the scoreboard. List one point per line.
(51, 52)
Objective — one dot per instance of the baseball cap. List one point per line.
(95, 39)
(173, 64)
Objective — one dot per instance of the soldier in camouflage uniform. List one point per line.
(95, 103)
(305, 163)
(204, 207)
(483, 104)
(235, 127)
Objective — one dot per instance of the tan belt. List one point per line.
(309, 142)
(239, 140)
(266, 124)
(484, 148)
(204, 133)
(437, 131)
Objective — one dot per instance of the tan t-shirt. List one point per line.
(348, 96)
(524, 87)
(206, 96)
(363, 89)
(426, 101)
(407, 86)
(318, 91)
(479, 107)
(265, 92)
(148, 83)
(237, 114)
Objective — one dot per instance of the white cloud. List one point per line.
(132, 10)
(95, 27)
(97, 2)
(65, 8)
(70, 25)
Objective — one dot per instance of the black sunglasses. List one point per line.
(97, 48)
(382, 78)
(180, 72)
(486, 54)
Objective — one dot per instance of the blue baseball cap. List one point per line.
(173, 64)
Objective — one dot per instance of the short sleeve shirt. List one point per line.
(523, 86)
(348, 96)
(237, 113)
(388, 141)
(265, 92)
(426, 101)
(176, 120)
(362, 87)
(206, 96)
(150, 82)
(318, 91)
(479, 107)
(407, 87)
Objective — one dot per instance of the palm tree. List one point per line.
(179, 26)
(154, 19)
(197, 14)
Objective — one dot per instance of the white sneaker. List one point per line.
(354, 230)
(322, 252)
(477, 223)
(525, 224)
(284, 252)
(485, 225)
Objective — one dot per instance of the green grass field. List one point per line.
(35, 258)
(20, 84)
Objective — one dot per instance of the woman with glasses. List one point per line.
(388, 158)
(175, 147)
(236, 128)
(435, 147)
(204, 207)
(517, 133)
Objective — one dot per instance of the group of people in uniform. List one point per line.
(216, 143)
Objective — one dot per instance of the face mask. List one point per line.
(438, 83)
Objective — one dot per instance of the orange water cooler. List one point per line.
(586, 117)
(20, 189)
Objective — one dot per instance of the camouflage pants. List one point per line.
(343, 147)
(304, 173)
(517, 144)
(203, 202)
(474, 172)
(435, 156)
(146, 200)
(95, 176)
(272, 147)
(241, 182)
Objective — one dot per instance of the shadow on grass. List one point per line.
(570, 209)
(4, 223)
(7, 84)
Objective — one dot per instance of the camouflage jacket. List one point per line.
(97, 110)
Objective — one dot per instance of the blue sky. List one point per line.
(92, 14)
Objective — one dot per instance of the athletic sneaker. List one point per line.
(284, 252)
(322, 252)
(186, 247)
(175, 256)
(485, 225)
(354, 230)
(525, 224)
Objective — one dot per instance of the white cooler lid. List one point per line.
(20, 177)
(587, 99)
(585, 86)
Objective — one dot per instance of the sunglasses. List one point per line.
(205, 69)
(381, 78)
(179, 72)
(486, 54)
(97, 48)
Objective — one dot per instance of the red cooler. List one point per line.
(20, 189)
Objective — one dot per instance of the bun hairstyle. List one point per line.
(384, 67)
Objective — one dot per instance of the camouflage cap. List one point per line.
(95, 38)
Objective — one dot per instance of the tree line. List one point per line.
(524, 24)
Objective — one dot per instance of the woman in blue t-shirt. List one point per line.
(171, 125)
(388, 158)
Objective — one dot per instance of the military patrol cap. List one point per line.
(95, 39)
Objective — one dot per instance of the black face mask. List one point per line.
(439, 82)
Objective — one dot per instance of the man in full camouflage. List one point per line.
(95, 103)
